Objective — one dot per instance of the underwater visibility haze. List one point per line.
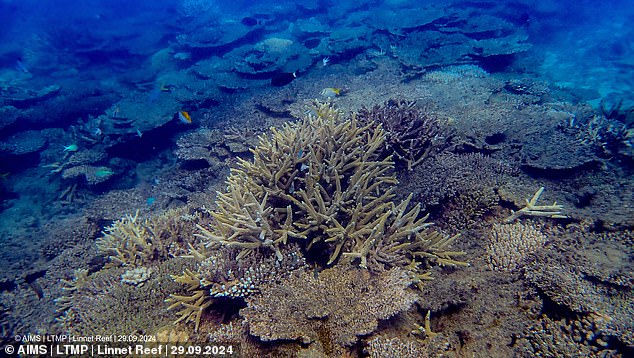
(388, 178)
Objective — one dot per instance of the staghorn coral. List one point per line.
(510, 244)
(411, 133)
(132, 241)
(532, 209)
(318, 188)
(323, 182)
(335, 307)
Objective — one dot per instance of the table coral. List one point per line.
(335, 307)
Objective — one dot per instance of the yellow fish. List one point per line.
(184, 117)
(330, 92)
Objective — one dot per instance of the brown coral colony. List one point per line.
(318, 193)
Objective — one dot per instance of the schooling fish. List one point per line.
(184, 117)
(282, 79)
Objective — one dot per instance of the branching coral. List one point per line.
(510, 245)
(532, 209)
(323, 182)
(320, 188)
(411, 133)
(132, 241)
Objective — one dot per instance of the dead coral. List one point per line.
(335, 307)
(466, 185)
(102, 304)
(215, 146)
(593, 277)
(92, 174)
(580, 337)
(411, 133)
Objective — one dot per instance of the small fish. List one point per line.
(325, 61)
(282, 79)
(97, 131)
(149, 201)
(139, 134)
(71, 148)
(184, 117)
(330, 92)
(103, 172)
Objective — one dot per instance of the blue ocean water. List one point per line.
(107, 107)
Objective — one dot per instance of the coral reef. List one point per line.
(335, 307)
(510, 244)
(382, 347)
(92, 174)
(411, 133)
(215, 146)
(136, 276)
(567, 338)
(461, 188)
(133, 242)
(589, 282)
(532, 209)
(220, 274)
(322, 181)
(101, 303)
(318, 190)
